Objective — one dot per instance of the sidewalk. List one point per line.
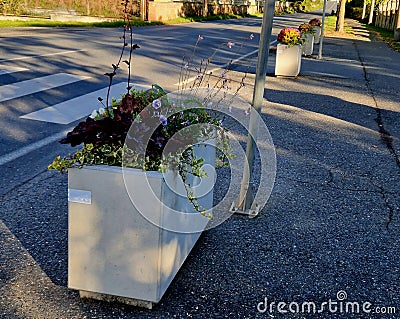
(331, 224)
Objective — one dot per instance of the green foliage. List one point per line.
(311, 5)
(49, 23)
(109, 8)
(9, 6)
(150, 130)
(377, 2)
(90, 155)
(330, 25)
(384, 35)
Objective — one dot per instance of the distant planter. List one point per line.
(308, 45)
(317, 34)
(130, 231)
(316, 27)
(288, 60)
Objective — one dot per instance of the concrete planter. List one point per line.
(288, 60)
(125, 241)
(317, 34)
(308, 46)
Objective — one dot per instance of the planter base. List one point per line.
(110, 298)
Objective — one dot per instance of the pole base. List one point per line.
(251, 213)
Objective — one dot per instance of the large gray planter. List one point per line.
(116, 250)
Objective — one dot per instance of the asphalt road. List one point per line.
(331, 225)
(33, 53)
(30, 54)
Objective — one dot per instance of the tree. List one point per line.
(371, 12)
(364, 10)
(340, 16)
(397, 28)
(205, 8)
(88, 7)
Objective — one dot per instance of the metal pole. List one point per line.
(322, 32)
(246, 195)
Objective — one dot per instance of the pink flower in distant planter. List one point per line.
(290, 36)
(315, 22)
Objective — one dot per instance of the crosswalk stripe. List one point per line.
(19, 89)
(26, 57)
(12, 69)
(77, 108)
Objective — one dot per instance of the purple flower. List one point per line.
(156, 104)
(163, 120)
(230, 44)
(251, 36)
(199, 38)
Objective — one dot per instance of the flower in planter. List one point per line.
(147, 130)
(315, 22)
(306, 28)
(290, 36)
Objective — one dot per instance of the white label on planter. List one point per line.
(79, 196)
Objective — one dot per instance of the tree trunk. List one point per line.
(340, 16)
(143, 9)
(88, 7)
(205, 8)
(371, 12)
(397, 27)
(364, 10)
(100, 8)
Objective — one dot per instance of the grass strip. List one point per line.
(111, 24)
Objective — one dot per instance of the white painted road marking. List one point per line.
(12, 91)
(31, 147)
(42, 55)
(48, 140)
(12, 69)
(77, 108)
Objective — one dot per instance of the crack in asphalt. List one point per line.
(385, 198)
(386, 137)
(380, 189)
(329, 185)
